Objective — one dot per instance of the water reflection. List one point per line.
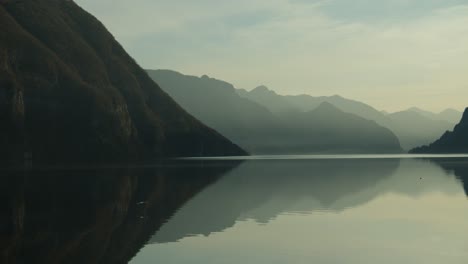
(262, 190)
(108, 214)
(92, 215)
(458, 167)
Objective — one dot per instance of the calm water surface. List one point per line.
(271, 209)
(379, 209)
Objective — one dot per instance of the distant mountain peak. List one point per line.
(422, 112)
(450, 110)
(263, 90)
(327, 107)
(414, 108)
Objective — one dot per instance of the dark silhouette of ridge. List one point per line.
(455, 141)
(69, 92)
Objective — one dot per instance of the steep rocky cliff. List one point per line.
(70, 92)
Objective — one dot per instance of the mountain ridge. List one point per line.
(72, 94)
(262, 131)
(455, 141)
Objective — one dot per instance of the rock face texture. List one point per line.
(70, 92)
(455, 141)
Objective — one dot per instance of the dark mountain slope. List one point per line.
(69, 92)
(455, 141)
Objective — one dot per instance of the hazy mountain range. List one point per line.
(70, 92)
(414, 127)
(322, 129)
(263, 121)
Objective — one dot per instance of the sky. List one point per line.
(391, 54)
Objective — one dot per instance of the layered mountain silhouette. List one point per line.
(261, 130)
(405, 124)
(328, 129)
(279, 103)
(70, 92)
(449, 115)
(455, 141)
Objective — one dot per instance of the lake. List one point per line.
(270, 209)
(341, 210)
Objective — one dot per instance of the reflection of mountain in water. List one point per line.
(90, 215)
(254, 184)
(459, 167)
(262, 190)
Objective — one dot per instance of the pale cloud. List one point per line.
(391, 54)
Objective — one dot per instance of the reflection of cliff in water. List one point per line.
(91, 215)
(264, 189)
(459, 167)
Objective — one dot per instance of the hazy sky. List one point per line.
(392, 54)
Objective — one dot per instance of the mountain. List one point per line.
(422, 112)
(406, 125)
(327, 129)
(449, 115)
(281, 103)
(70, 92)
(415, 128)
(217, 104)
(455, 141)
(256, 128)
(270, 99)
